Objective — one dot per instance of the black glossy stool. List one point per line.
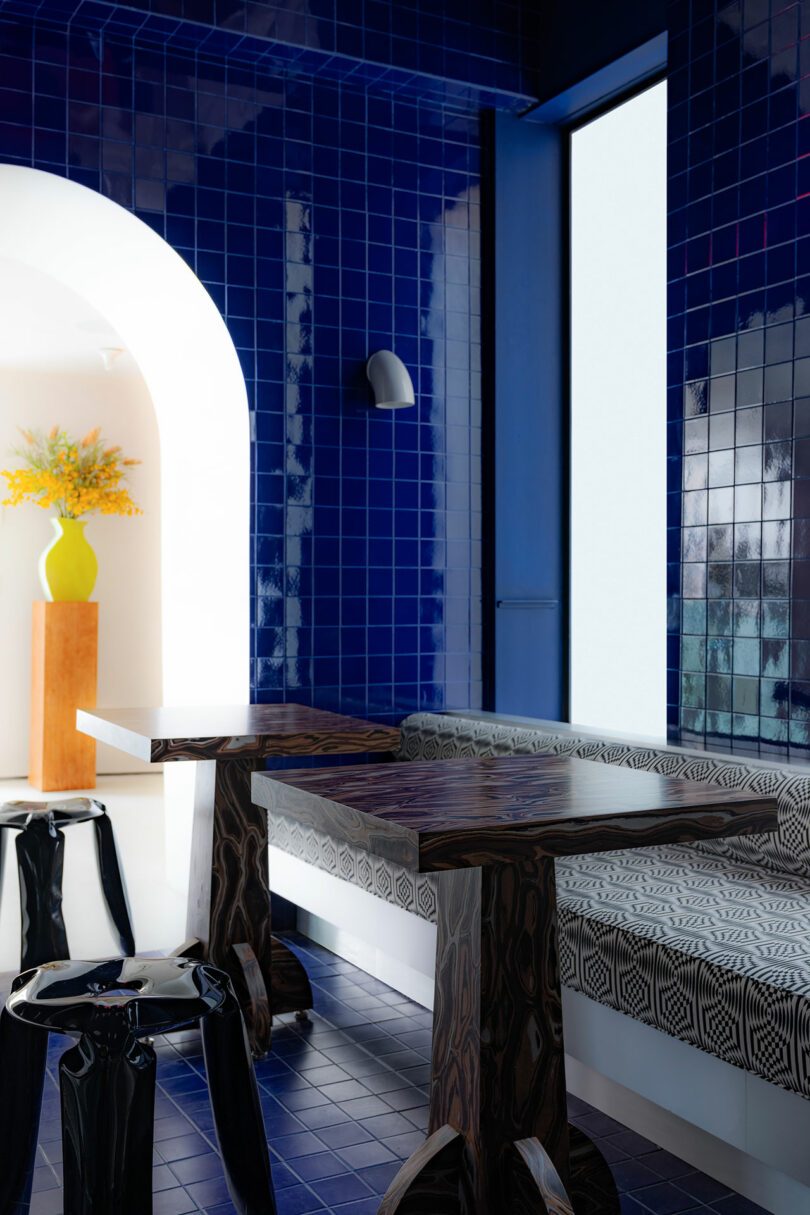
(107, 1080)
(40, 861)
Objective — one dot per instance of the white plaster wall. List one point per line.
(128, 589)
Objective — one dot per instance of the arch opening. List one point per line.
(179, 341)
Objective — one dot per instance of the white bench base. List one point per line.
(394, 945)
(741, 1130)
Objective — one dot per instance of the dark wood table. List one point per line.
(228, 917)
(499, 1139)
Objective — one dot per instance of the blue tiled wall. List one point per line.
(490, 45)
(327, 218)
(739, 396)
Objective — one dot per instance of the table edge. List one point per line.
(430, 851)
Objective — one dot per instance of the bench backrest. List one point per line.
(444, 736)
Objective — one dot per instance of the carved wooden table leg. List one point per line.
(592, 1188)
(428, 1182)
(498, 1076)
(229, 898)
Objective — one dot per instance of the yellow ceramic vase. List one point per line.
(68, 567)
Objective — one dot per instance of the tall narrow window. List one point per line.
(618, 417)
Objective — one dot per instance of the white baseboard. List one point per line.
(370, 958)
(753, 1179)
(746, 1133)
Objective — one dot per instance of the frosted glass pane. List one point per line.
(618, 418)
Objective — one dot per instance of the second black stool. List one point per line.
(40, 862)
(107, 1080)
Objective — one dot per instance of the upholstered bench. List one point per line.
(708, 942)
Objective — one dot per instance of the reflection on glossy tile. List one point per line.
(693, 654)
(693, 690)
(775, 579)
(721, 508)
(694, 616)
(718, 692)
(774, 700)
(696, 472)
(694, 544)
(776, 540)
(719, 618)
(719, 654)
(746, 618)
(747, 541)
(745, 696)
(775, 659)
(696, 435)
(740, 342)
(746, 657)
(747, 579)
(719, 580)
(694, 581)
(721, 468)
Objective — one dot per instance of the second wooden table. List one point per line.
(490, 828)
(228, 916)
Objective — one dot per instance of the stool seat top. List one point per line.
(144, 996)
(61, 812)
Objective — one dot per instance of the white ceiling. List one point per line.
(44, 326)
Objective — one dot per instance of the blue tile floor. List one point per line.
(345, 1101)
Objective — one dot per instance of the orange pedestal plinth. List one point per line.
(64, 665)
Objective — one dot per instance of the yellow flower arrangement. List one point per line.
(75, 476)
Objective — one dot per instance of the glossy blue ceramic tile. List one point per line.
(469, 62)
(739, 206)
(327, 216)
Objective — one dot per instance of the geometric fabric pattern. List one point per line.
(708, 950)
(415, 892)
(708, 942)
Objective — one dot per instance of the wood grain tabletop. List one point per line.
(450, 813)
(233, 731)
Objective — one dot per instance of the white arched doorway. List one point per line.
(176, 335)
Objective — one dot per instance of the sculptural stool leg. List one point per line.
(40, 861)
(237, 1113)
(23, 1051)
(112, 884)
(108, 1112)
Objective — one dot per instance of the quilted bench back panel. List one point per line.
(434, 736)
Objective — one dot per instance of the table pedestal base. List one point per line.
(435, 1180)
(228, 918)
(499, 1136)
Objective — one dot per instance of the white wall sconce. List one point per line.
(390, 381)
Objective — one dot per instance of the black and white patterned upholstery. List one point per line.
(708, 950)
(412, 891)
(708, 942)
